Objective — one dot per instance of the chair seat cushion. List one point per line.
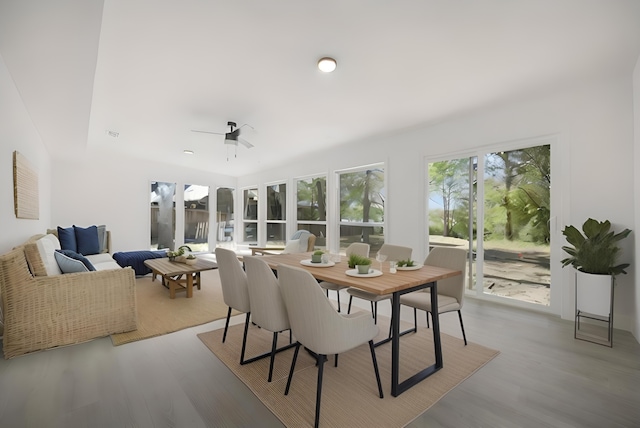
(422, 300)
(356, 292)
(331, 286)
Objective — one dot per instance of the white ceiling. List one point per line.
(154, 70)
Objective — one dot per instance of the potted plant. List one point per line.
(594, 256)
(356, 260)
(316, 257)
(190, 259)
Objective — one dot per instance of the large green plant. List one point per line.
(597, 250)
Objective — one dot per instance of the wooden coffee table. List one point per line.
(179, 276)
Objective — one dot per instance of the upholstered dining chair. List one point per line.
(235, 291)
(267, 307)
(450, 290)
(393, 253)
(314, 323)
(358, 248)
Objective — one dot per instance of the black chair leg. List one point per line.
(373, 312)
(464, 336)
(349, 308)
(244, 338)
(338, 293)
(336, 361)
(273, 354)
(321, 359)
(415, 320)
(226, 325)
(293, 366)
(427, 315)
(375, 367)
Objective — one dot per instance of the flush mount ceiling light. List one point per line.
(327, 64)
(188, 152)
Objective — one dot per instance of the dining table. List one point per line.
(382, 281)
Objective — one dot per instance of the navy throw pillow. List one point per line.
(72, 254)
(87, 240)
(67, 238)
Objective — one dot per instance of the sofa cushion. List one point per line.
(67, 238)
(102, 238)
(40, 258)
(80, 257)
(69, 264)
(87, 240)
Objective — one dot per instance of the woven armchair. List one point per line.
(42, 312)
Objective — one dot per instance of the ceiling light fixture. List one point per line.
(327, 64)
(188, 152)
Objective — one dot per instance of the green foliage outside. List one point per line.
(312, 199)
(516, 196)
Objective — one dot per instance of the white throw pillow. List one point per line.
(293, 246)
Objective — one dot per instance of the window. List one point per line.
(224, 217)
(163, 215)
(276, 214)
(362, 196)
(196, 217)
(311, 207)
(250, 215)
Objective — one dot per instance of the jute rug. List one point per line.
(349, 392)
(158, 314)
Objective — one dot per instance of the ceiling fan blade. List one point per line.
(207, 132)
(245, 143)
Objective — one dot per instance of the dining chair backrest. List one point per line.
(233, 280)
(267, 307)
(358, 248)
(454, 258)
(396, 252)
(314, 321)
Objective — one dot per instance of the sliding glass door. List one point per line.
(511, 205)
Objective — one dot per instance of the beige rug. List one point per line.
(349, 392)
(158, 314)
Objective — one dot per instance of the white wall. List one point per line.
(593, 125)
(17, 132)
(635, 296)
(103, 189)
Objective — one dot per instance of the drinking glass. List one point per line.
(380, 258)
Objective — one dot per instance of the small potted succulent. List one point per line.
(190, 259)
(316, 257)
(356, 260)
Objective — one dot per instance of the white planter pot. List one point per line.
(593, 293)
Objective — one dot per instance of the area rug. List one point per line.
(349, 392)
(158, 314)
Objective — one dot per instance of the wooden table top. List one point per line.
(164, 266)
(384, 284)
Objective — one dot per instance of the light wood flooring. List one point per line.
(542, 378)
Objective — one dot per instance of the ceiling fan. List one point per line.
(233, 136)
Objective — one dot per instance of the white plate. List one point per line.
(372, 273)
(414, 267)
(308, 262)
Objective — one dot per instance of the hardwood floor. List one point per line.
(542, 378)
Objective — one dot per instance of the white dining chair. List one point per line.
(393, 253)
(315, 323)
(450, 290)
(235, 291)
(268, 310)
(358, 248)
